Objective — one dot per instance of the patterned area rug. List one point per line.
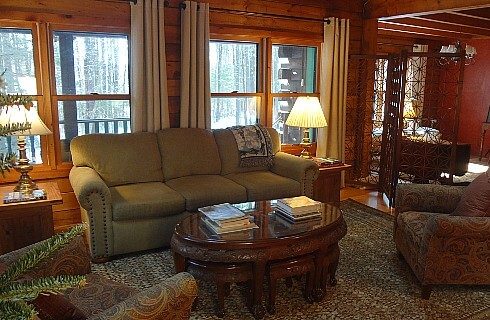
(373, 283)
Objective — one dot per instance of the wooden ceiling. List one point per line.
(432, 19)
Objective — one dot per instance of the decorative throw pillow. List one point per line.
(475, 201)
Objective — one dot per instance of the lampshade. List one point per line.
(307, 113)
(19, 114)
(409, 109)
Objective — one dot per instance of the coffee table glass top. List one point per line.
(270, 225)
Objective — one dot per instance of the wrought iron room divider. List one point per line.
(403, 118)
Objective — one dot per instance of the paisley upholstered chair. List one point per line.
(103, 298)
(439, 246)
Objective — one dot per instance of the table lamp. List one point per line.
(20, 114)
(409, 114)
(306, 113)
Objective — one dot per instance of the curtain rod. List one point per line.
(255, 14)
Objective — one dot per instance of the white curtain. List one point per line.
(195, 95)
(149, 99)
(333, 88)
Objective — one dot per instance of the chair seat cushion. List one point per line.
(413, 224)
(98, 295)
(265, 185)
(204, 190)
(145, 200)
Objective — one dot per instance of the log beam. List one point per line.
(395, 8)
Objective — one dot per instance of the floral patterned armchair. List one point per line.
(440, 248)
(103, 298)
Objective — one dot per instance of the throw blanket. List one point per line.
(254, 145)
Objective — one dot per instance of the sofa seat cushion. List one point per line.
(265, 185)
(145, 200)
(413, 224)
(204, 190)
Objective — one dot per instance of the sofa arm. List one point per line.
(302, 170)
(71, 259)
(427, 198)
(95, 201)
(172, 299)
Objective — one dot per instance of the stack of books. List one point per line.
(225, 218)
(14, 197)
(327, 162)
(298, 209)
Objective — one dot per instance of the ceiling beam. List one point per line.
(375, 9)
(453, 18)
(400, 34)
(422, 32)
(441, 26)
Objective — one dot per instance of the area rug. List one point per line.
(373, 283)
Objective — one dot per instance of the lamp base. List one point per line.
(306, 150)
(25, 184)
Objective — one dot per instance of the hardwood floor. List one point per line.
(371, 198)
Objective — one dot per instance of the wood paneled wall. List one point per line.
(115, 13)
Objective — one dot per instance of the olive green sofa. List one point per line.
(134, 188)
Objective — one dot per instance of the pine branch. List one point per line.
(16, 310)
(15, 100)
(7, 129)
(38, 253)
(7, 162)
(29, 290)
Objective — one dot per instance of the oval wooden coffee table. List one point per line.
(276, 247)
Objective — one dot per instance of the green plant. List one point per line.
(15, 294)
(7, 161)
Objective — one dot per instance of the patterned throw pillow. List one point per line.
(475, 201)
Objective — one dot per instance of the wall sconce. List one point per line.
(470, 53)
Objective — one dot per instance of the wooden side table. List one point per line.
(327, 187)
(25, 223)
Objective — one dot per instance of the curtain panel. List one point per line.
(333, 88)
(149, 98)
(195, 93)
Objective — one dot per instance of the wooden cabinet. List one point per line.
(25, 223)
(327, 187)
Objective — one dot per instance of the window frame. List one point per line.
(56, 98)
(259, 94)
(264, 74)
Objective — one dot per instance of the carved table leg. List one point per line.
(179, 262)
(426, 291)
(332, 268)
(258, 289)
(222, 289)
(271, 303)
(310, 282)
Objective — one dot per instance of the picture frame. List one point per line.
(488, 115)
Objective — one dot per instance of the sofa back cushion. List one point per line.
(228, 150)
(119, 158)
(475, 201)
(188, 151)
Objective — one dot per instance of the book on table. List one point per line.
(298, 205)
(225, 218)
(298, 209)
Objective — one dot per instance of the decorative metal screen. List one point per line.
(402, 119)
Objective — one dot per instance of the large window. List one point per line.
(234, 83)
(78, 78)
(293, 75)
(17, 66)
(92, 84)
(238, 72)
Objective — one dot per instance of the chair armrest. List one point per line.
(455, 250)
(427, 198)
(302, 170)
(448, 226)
(72, 259)
(171, 299)
(95, 201)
